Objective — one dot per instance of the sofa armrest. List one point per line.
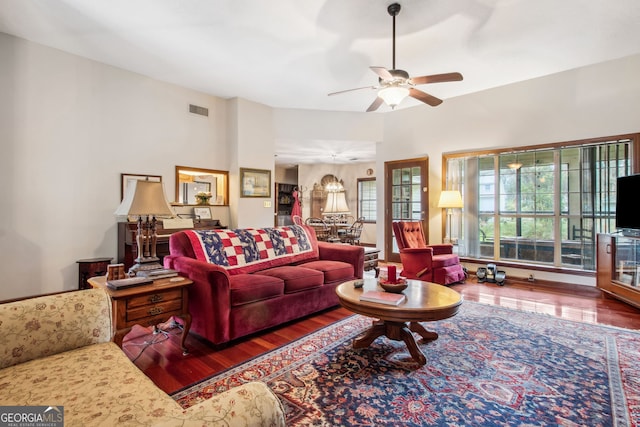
(354, 255)
(250, 404)
(209, 296)
(51, 324)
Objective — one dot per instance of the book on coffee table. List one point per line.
(382, 297)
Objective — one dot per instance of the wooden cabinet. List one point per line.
(318, 200)
(618, 267)
(128, 248)
(91, 267)
(284, 204)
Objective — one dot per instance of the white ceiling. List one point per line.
(292, 53)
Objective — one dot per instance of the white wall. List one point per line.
(595, 101)
(252, 146)
(68, 128)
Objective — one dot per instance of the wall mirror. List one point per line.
(191, 181)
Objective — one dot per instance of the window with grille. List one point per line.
(539, 205)
(367, 199)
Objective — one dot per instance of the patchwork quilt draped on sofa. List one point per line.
(247, 280)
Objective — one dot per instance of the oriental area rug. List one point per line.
(490, 366)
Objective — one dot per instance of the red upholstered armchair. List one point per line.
(431, 263)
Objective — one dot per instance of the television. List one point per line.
(627, 213)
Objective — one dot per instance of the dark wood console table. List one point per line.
(128, 249)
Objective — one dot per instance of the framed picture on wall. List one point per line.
(255, 182)
(202, 213)
(126, 178)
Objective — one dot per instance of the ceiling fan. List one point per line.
(394, 85)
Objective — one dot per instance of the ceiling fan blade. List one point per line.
(424, 97)
(375, 104)
(382, 72)
(350, 90)
(437, 78)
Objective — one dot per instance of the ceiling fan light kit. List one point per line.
(393, 95)
(395, 85)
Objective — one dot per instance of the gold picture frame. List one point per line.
(255, 182)
(125, 178)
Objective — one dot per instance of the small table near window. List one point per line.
(371, 259)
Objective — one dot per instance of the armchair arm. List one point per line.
(416, 262)
(442, 248)
(250, 404)
(354, 255)
(51, 324)
(424, 252)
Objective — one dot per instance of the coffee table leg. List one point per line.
(420, 330)
(414, 351)
(396, 331)
(377, 330)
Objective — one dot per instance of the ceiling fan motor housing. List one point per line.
(398, 76)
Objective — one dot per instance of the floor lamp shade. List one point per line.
(450, 199)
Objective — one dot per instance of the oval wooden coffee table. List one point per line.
(425, 302)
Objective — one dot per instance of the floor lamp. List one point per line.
(145, 199)
(450, 200)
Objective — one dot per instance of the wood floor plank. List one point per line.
(164, 363)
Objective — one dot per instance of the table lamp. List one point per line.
(145, 199)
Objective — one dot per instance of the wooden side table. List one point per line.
(371, 259)
(148, 305)
(91, 267)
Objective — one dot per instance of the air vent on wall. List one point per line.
(198, 110)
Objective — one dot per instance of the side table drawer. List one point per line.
(154, 310)
(155, 298)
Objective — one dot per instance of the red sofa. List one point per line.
(248, 280)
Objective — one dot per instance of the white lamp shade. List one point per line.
(336, 204)
(145, 198)
(393, 95)
(450, 199)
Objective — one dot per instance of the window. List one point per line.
(540, 205)
(367, 199)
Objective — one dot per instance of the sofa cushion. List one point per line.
(333, 271)
(449, 274)
(248, 288)
(99, 386)
(248, 250)
(295, 278)
(440, 261)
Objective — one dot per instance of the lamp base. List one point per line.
(145, 264)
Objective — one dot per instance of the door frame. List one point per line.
(423, 162)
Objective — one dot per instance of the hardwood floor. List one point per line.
(159, 355)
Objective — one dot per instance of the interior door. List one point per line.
(406, 199)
